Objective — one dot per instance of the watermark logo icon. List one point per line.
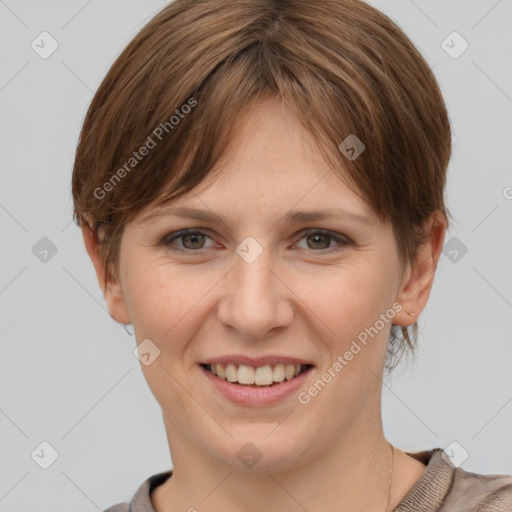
(146, 352)
(454, 45)
(249, 455)
(249, 250)
(455, 249)
(44, 45)
(44, 455)
(455, 454)
(44, 250)
(352, 147)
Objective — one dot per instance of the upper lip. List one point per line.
(256, 361)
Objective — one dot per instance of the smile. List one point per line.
(260, 376)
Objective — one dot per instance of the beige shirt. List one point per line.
(441, 488)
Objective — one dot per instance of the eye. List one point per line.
(320, 239)
(192, 240)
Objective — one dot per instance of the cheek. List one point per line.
(165, 301)
(350, 303)
(348, 298)
(164, 306)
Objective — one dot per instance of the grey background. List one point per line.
(67, 372)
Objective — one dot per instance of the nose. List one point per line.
(255, 299)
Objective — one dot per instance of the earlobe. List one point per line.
(112, 292)
(419, 277)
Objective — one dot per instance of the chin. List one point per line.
(257, 448)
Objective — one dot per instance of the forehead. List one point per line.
(274, 155)
(273, 168)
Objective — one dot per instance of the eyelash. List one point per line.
(342, 241)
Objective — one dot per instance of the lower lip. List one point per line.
(252, 396)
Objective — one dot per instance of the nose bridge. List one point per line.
(254, 301)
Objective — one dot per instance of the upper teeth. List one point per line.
(261, 375)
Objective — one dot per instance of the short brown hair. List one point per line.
(342, 66)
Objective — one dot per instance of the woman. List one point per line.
(260, 189)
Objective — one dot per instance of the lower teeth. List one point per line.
(257, 385)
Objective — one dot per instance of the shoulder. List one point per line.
(480, 493)
(141, 500)
(443, 487)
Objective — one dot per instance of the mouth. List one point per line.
(256, 377)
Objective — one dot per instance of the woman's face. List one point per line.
(263, 283)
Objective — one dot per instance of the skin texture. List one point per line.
(304, 296)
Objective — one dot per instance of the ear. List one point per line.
(419, 276)
(113, 292)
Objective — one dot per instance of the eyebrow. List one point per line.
(293, 216)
